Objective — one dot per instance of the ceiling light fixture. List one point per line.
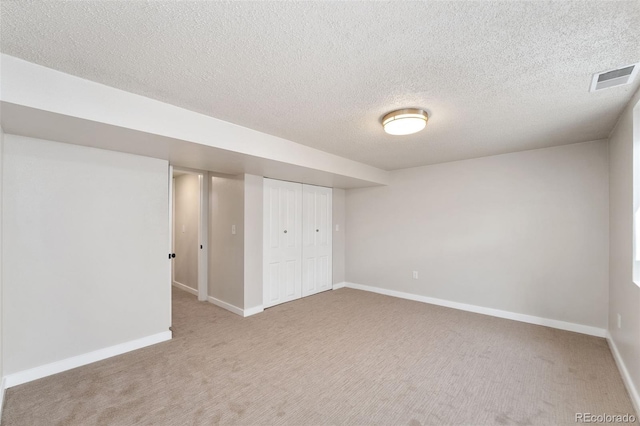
(405, 121)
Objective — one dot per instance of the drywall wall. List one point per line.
(64, 106)
(338, 235)
(84, 249)
(624, 294)
(186, 218)
(226, 249)
(253, 223)
(1, 291)
(525, 232)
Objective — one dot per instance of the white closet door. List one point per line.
(282, 242)
(316, 239)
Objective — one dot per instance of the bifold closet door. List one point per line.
(316, 239)
(282, 242)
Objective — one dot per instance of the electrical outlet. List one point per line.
(415, 275)
(233, 229)
(619, 321)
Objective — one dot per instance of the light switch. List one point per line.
(337, 227)
(184, 228)
(233, 229)
(619, 321)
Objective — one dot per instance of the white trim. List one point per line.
(228, 306)
(232, 308)
(626, 377)
(3, 386)
(25, 376)
(203, 238)
(185, 288)
(253, 311)
(339, 285)
(189, 170)
(562, 325)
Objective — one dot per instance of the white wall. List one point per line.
(186, 222)
(1, 272)
(338, 235)
(85, 244)
(253, 234)
(624, 294)
(226, 250)
(65, 106)
(525, 232)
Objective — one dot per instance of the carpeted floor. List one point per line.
(341, 357)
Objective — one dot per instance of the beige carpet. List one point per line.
(340, 357)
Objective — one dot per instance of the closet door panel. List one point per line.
(282, 242)
(316, 248)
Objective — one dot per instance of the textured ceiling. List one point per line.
(496, 77)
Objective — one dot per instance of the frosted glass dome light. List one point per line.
(405, 121)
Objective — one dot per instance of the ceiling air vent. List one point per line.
(613, 78)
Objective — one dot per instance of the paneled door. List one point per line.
(282, 242)
(316, 239)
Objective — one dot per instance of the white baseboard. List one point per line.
(232, 308)
(562, 325)
(185, 288)
(626, 377)
(228, 306)
(21, 377)
(253, 311)
(339, 285)
(3, 386)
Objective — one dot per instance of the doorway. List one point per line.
(189, 229)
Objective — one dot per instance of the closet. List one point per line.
(297, 241)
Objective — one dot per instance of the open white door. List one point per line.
(170, 251)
